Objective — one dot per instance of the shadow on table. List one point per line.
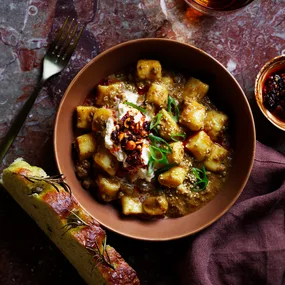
(266, 132)
(158, 263)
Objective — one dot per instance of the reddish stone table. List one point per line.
(242, 41)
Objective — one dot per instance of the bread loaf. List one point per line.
(79, 237)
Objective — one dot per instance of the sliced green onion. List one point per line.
(175, 137)
(202, 179)
(150, 166)
(155, 121)
(136, 107)
(173, 108)
(164, 168)
(158, 140)
(158, 155)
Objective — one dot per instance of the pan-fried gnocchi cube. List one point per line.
(131, 205)
(106, 95)
(155, 206)
(193, 115)
(168, 126)
(85, 116)
(177, 154)
(173, 177)
(167, 81)
(106, 161)
(86, 146)
(149, 69)
(195, 89)
(100, 118)
(200, 145)
(216, 161)
(108, 187)
(215, 123)
(157, 94)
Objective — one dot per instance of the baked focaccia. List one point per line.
(79, 237)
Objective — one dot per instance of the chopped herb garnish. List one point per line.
(177, 137)
(173, 109)
(150, 166)
(202, 179)
(155, 121)
(164, 168)
(158, 154)
(161, 143)
(136, 107)
(159, 148)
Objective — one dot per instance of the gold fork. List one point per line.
(55, 60)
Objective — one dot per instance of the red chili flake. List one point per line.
(114, 149)
(142, 90)
(146, 125)
(134, 159)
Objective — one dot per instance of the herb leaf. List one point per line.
(164, 168)
(155, 121)
(160, 143)
(52, 180)
(175, 137)
(173, 109)
(150, 166)
(136, 107)
(158, 155)
(102, 256)
(158, 151)
(73, 221)
(202, 179)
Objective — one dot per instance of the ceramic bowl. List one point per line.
(273, 65)
(227, 95)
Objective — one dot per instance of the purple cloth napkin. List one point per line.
(247, 245)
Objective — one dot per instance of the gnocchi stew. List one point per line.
(152, 142)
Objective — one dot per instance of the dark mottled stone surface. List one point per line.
(242, 41)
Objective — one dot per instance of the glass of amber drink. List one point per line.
(217, 7)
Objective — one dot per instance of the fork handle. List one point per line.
(19, 121)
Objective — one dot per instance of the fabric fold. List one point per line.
(247, 245)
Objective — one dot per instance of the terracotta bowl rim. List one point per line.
(245, 179)
(265, 69)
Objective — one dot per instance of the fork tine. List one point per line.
(61, 41)
(72, 46)
(70, 38)
(58, 35)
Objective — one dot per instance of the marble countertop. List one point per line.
(242, 41)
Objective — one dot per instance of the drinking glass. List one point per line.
(217, 7)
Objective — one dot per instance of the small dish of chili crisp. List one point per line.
(270, 91)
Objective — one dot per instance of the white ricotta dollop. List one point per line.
(110, 127)
(123, 109)
(142, 173)
(109, 144)
(130, 96)
(145, 152)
